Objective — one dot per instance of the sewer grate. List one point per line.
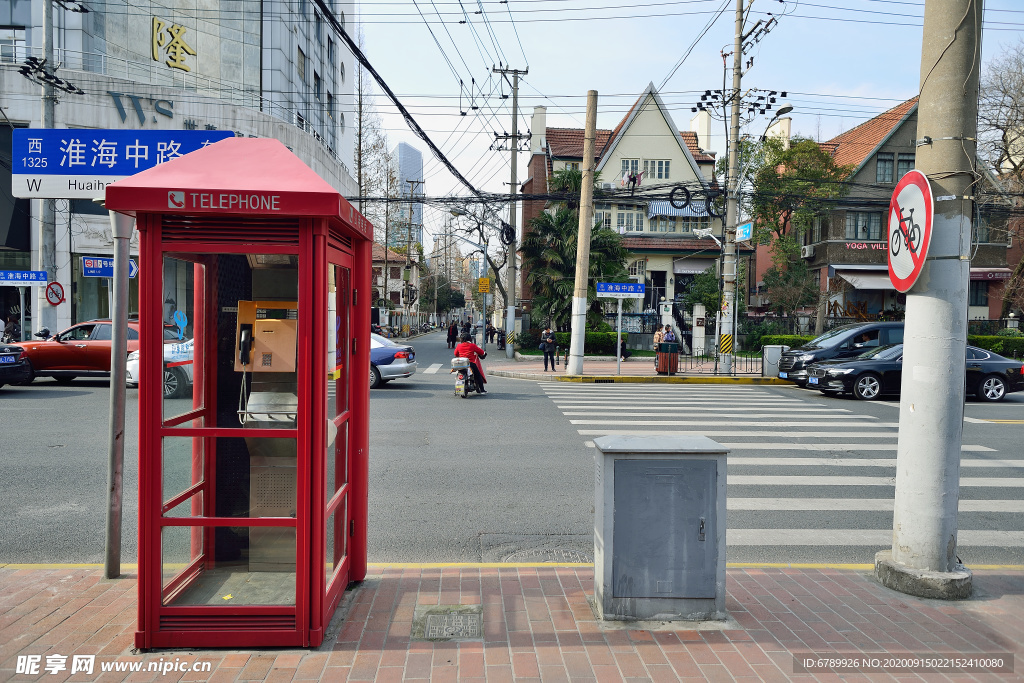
(455, 623)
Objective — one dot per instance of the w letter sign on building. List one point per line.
(910, 229)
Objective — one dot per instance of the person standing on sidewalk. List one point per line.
(453, 334)
(669, 336)
(547, 345)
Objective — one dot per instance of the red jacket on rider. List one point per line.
(473, 353)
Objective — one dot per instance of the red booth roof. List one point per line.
(236, 176)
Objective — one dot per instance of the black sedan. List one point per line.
(990, 377)
(14, 365)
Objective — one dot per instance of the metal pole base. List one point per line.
(954, 585)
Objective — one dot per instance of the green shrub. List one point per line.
(529, 339)
(1009, 332)
(757, 331)
(790, 340)
(594, 343)
(1004, 346)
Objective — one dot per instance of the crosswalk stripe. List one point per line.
(666, 403)
(432, 369)
(815, 480)
(831, 447)
(712, 433)
(858, 504)
(870, 537)
(859, 462)
(689, 423)
(711, 414)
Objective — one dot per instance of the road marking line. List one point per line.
(802, 480)
(869, 537)
(740, 433)
(857, 462)
(690, 423)
(712, 413)
(432, 369)
(860, 504)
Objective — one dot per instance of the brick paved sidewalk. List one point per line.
(537, 626)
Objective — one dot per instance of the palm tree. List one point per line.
(549, 252)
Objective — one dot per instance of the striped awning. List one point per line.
(664, 208)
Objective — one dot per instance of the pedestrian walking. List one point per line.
(547, 345)
(490, 333)
(453, 335)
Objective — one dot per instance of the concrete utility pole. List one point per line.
(407, 287)
(510, 271)
(579, 295)
(45, 315)
(732, 210)
(923, 560)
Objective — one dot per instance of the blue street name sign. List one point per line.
(79, 163)
(620, 290)
(102, 266)
(744, 232)
(23, 278)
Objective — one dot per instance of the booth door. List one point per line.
(337, 462)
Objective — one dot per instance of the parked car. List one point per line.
(14, 365)
(389, 360)
(847, 341)
(990, 377)
(177, 368)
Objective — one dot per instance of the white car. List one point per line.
(177, 368)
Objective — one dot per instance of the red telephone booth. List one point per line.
(253, 396)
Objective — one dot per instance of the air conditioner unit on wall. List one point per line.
(807, 252)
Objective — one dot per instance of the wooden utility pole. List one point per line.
(579, 295)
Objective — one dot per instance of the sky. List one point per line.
(841, 62)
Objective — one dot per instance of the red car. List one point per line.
(82, 350)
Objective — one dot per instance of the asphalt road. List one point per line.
(509, 476)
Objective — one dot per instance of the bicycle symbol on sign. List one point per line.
(909, 237)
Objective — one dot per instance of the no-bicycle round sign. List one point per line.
(910, 229)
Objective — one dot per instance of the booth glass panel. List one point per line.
(341, 281)
(182, 301)
(335, 549)
(183, 464)
(255, 477)
(202, 566)
(190, 507)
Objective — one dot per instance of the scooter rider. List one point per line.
(467, 349)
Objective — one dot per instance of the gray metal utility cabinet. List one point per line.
(659, 528)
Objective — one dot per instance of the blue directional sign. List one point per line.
(23, 278)
(102, 266)
(620, 290)
(744, 232)
(79, 163)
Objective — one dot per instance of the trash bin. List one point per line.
(659, 528)
(667, 360)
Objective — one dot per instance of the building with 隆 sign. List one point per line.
(246, 68)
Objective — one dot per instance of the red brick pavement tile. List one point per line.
(578, 665)
(651, 654)
(333, 674)
(499, 674)
(554, 674)
(519, 641)
(524, 665)
(372, 640)
(548, 654)
(570, 641)
(418, 665)
(471, 664)
(701, 653)
(496, 655)
(599, 654)
(630, 665)
(683, 663)
(769, 673)
(394, 656)
(618, 641)
(257, 668)
(440, 674)
(607, 674)
(715, 672)
(365, 666)
(223, 674)
(280, 675)
(341, 657)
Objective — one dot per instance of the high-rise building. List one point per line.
(410, 168)
(258, 68)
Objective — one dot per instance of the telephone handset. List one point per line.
(244, 343)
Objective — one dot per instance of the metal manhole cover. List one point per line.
(448, 623)
(452, 626)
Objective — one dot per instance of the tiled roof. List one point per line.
(699, 155)
(568, 142)
(854, 146)
(378, 253)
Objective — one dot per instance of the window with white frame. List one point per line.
(630, 166)
(640, 221)
(573, 165)
(883, 167)
(657, 168)
(672, 224)
(638, 268)
(863, 225)
(620, 222)
(816, 227)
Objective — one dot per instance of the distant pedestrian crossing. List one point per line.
(823, 465)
